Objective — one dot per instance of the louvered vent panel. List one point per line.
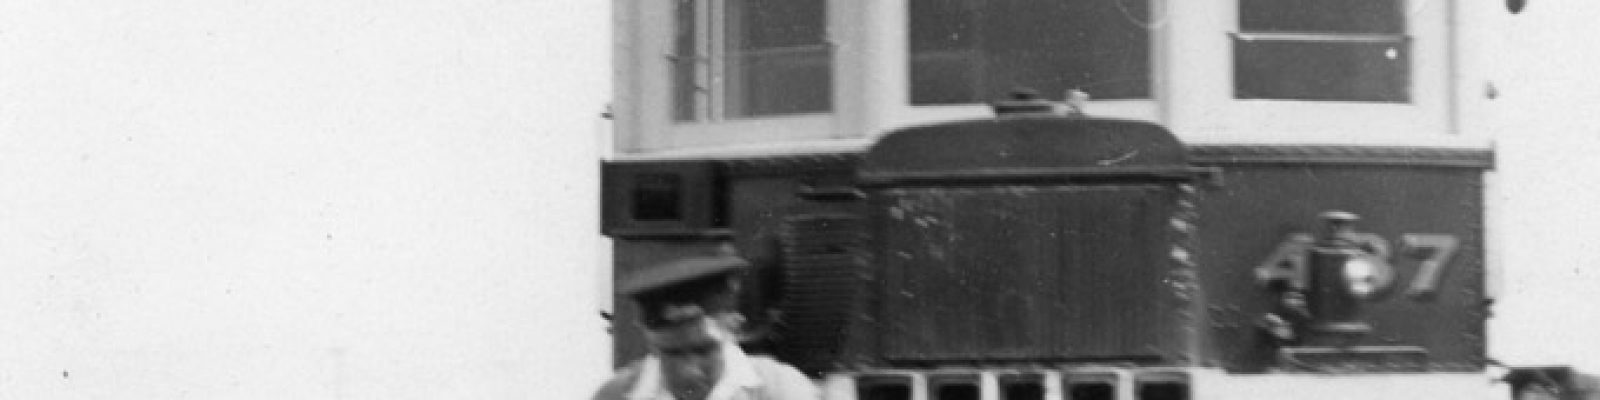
(824, 266)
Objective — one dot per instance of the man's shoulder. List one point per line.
(783, 381)
(620, 383)
(767, 363)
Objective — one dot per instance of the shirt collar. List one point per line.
(738, 374)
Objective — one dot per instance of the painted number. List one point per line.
(1287, 263)
(1435, 250)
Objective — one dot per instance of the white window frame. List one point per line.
(646, 45)
(1191, 72)
(1204, 109)
(1148, 109)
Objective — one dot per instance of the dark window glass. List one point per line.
(778, 59)
(656, 197)
(1022, 391)
(1091, 391)
(967, 51)
(1330, 50)
(957, 391)
(1330, 16)
(685, 60)
(1348, 71)
(883, 389)
(1164, 391)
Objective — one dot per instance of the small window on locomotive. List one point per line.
(957, 387)
(1022, 387)
(656, 197)
(1164, 391)
(1159, 385)
(1322, 50)
(971, 51)
(883, 388)
(750, 58)
(1091, 391)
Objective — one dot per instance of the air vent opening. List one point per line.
(1091, 391)
(656, 197)
(1023, 387)
(961, 391)
(958, 387)
(1163, 386)
(1164, 391)
(883, 388)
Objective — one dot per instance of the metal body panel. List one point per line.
(1023, 143)
(1193, 383)
(1026, 273)
(660, 199)
(1028, 222)
(1262, 204)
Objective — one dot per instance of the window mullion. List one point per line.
(717, 58)
(1320, 37)
(703, 57)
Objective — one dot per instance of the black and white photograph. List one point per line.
(800, 199)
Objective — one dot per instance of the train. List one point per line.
(1259, 200)
(1046, 254)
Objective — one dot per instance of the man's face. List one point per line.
(691, 357)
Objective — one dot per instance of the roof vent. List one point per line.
(1024, 102)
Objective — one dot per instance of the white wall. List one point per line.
(1546, 123)
(300, 199)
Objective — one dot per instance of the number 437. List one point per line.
(1288, 261)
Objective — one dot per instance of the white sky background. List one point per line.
(304, 199)
(300, 199)
(1546, 63)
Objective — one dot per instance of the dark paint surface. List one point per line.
(1260, 205)
(1025, 273)
(995, 271)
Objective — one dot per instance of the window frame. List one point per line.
(987, 56)
(644, 114)
(1149, 108)
(1203, 108)
(717, 78)
(1402, 39)
(1192, 68)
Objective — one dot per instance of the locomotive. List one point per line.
(1042, 254)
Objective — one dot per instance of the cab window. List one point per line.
(749, 58)
(1322, 50)
(970, 51)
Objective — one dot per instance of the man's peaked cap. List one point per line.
(665, 277)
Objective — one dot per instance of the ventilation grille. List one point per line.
(824, 273)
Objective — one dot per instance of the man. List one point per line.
(689, 313)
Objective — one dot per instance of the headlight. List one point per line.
(1365, 276)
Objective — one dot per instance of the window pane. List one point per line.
(655, 197)
(771, 24)
(1091, 391)
(967, 51)
(1164, 391)
(1305, 70)
(1022, 391)
(684, 62)
(778, 59)
(883, 388)
(1331, 16)
(957, 392)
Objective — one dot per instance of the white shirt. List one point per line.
(737, 376)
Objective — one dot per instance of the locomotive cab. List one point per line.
(1211, 238)
(1054, 257)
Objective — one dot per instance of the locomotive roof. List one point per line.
(856, 146)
